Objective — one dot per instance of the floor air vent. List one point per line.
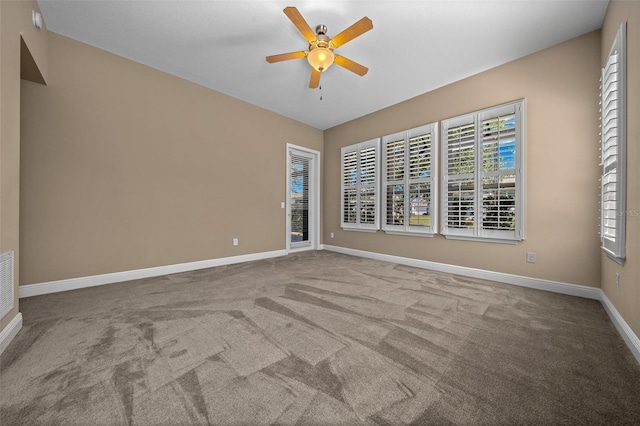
(6, 283)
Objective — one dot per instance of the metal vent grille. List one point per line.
(6, 283)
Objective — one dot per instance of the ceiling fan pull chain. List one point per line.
(320, 88)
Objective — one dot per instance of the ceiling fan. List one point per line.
(320, 54)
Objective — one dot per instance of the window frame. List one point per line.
(614, 246)
(477, 231)
(406, 228)
(360, 184)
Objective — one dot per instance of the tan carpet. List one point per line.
(316, 338)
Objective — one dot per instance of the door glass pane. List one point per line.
(299, 200)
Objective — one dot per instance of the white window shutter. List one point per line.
(393, 160)
(349, 187)
(409, 190)
(613, 149)
(458, 183)
(359, 186)
(482, 179)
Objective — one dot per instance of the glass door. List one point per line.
(300, 196)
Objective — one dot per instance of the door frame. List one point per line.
(314, 199)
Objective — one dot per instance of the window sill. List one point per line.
(409, 233)
(346, 228)
(618, 260)
(482, 239)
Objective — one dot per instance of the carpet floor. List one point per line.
(316, 338)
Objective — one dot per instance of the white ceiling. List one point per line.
(414, 47)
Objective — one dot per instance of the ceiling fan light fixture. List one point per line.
(320, 58)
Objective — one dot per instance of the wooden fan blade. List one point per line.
(314, 82)
(355, 30)
(286, 57)
(300, 23)
(350, 65)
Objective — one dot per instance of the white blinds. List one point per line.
(420, 180)
(460, 170)
(349, 187)
(6, 283)
(394, 155)
(613, 149)
(408, 180)
(499, 172)
(368, 183)
(359, 171)
(300, 166)
(394, 151)
(482, 181)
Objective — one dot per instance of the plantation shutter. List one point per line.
(409, 181)
(500, 173)
(349, 187)
(394, 182)
(613, 149)
(420, 179)
(368, 186)
(6, 283)
(359, 171)
(459, 156)
(482, 181)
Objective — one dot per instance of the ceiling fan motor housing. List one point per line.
(322, 42)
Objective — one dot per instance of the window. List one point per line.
(359, 171)
(482, 182)
(408, 169)
(613, 149)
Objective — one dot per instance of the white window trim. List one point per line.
(477, 233)
(363, 227)
(615, 247)
(406, 228)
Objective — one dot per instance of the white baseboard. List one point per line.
(621, 325)
(116, 277)
(537, 283)
(10, 331)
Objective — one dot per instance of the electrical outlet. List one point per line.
(531, 257)
(617, 279)
(235, 241)
(282, 204)
(332, 235)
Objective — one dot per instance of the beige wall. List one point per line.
(15, 23)
(560, 85)
(126, 167)
(627, 298)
